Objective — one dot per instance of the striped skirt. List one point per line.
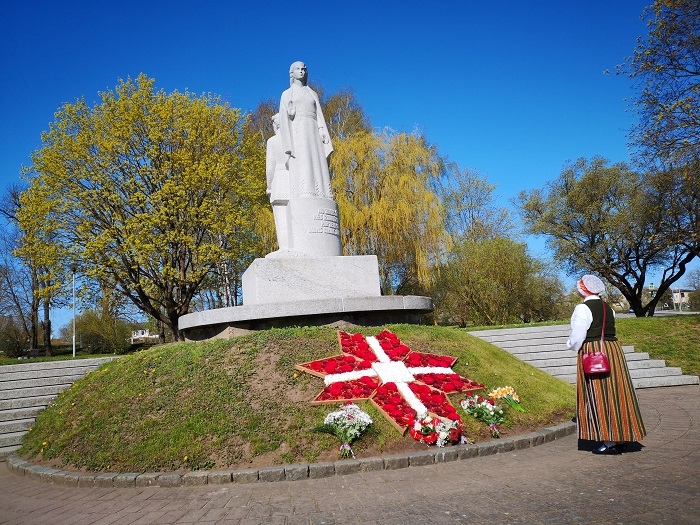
(606, 405)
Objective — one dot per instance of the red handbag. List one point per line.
(597, 362)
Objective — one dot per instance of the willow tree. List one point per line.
(383, 186)
(143, 189)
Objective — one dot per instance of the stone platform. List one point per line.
(286, 290)
(363, 311)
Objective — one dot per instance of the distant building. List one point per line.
(143, 336)
(681, 298)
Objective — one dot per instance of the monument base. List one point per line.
(342, 313)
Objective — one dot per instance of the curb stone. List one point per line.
(22, 467)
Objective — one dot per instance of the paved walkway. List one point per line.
(555, 483)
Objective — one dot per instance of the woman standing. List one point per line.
(606, 404)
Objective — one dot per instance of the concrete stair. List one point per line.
(26, 389)
(544, 347)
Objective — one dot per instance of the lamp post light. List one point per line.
(73, 268)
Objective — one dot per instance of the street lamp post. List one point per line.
(73, 268)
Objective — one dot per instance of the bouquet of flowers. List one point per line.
(485, 410)
(435, 430)
(347, 424)
(509, 396)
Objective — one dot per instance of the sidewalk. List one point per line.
(554, 483)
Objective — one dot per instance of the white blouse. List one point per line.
(581, 321)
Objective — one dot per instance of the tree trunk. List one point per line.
(34, 315)
(46, 326)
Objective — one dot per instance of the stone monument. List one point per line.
(306, 280)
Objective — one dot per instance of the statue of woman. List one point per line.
(304, 137)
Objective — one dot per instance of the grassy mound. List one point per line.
(239, 403)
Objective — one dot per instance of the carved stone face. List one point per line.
(298, 71)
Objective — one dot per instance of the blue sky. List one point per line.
(511, 89)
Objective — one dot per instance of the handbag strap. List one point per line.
(602, 331)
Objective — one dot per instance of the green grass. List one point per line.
(240, 403)
(673, 338)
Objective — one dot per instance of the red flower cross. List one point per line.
(402, 383)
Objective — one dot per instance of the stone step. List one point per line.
(26, 389)
(41, 373)
(20, 413)
(11, 439)
(7, 450)
(21, 384)
(17, 425)
(55, 365)
(647, 382)
(25, 402)
(654, 371)
(558, 347)
(545, 348)
(567, 354)
(53, 390)
(638, 373)
(523, 332)
(653, 382)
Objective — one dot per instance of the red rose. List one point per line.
(448, 387)
(431, 438)
(408, 419)
(413, 359)
(330, 367)
(367, 380)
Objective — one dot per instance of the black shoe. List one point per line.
(609, 450)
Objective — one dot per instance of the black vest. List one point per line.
(596, 328)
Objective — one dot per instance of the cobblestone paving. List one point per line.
(559, 482)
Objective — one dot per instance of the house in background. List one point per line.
(143, 336)
(681, 299)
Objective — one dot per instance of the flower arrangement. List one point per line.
(347, 424)
(435, 430)
(485, 410)
(509, 396)
(399, 381)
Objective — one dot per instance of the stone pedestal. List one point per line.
(313, 227)
(279, 280)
